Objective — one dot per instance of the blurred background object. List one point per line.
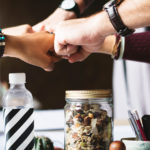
(49, 88)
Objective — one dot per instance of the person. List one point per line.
(130, 91)
(136, 47)
(23, 43)
(62, 14)
(69, 34)
(123, 76)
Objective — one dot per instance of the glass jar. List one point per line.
(88, 120)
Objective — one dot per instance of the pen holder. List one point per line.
(133, 144)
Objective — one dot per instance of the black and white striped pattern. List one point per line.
(19, 129)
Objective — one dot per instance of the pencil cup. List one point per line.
(133, 144)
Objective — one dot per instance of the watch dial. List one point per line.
(67, 4)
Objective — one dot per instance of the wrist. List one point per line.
(102, 24)
(70, 5)
(108, 45)
(111, 8)
(13, 46)
(64, 14)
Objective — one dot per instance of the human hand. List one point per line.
(50, 23)
(78, 32)
(18, 30)
(33, 48)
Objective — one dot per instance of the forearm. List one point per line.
(134, 14)
(18, 30)
(82, 4)
(13, 46)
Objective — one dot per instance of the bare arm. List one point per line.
(60, 15)
(134, 13)
(90, 33)
(18, 30)
(27, 48)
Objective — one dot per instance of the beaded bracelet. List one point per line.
(2, 43)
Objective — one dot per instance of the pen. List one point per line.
(134, 124)
(133, 128)
(137, 119)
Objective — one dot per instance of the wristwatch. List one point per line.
(112, 11)
(2, 43)
(70, 5)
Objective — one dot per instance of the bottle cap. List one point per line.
(17, 78)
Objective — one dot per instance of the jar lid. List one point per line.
(84, 94)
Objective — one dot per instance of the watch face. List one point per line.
(67, 4)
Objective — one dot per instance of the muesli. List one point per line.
(88, 127)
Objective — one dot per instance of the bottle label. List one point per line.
(19, 128)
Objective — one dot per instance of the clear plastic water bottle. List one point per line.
(18, 115)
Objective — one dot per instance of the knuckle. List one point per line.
(28, 28)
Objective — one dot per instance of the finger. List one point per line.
(65, 57)
(65, 50)
(45, 62)
(56, 59)
(53, 56)
(71, 49)
(39, 27)
(42, 28)
(49, 69)
(51, 37)
(58, 47)
(49, 29)
(30, 30)
(79, 56)
(49, 63)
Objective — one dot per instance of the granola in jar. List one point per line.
(88, 125)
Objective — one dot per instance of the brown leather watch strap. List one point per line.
(112, 11)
